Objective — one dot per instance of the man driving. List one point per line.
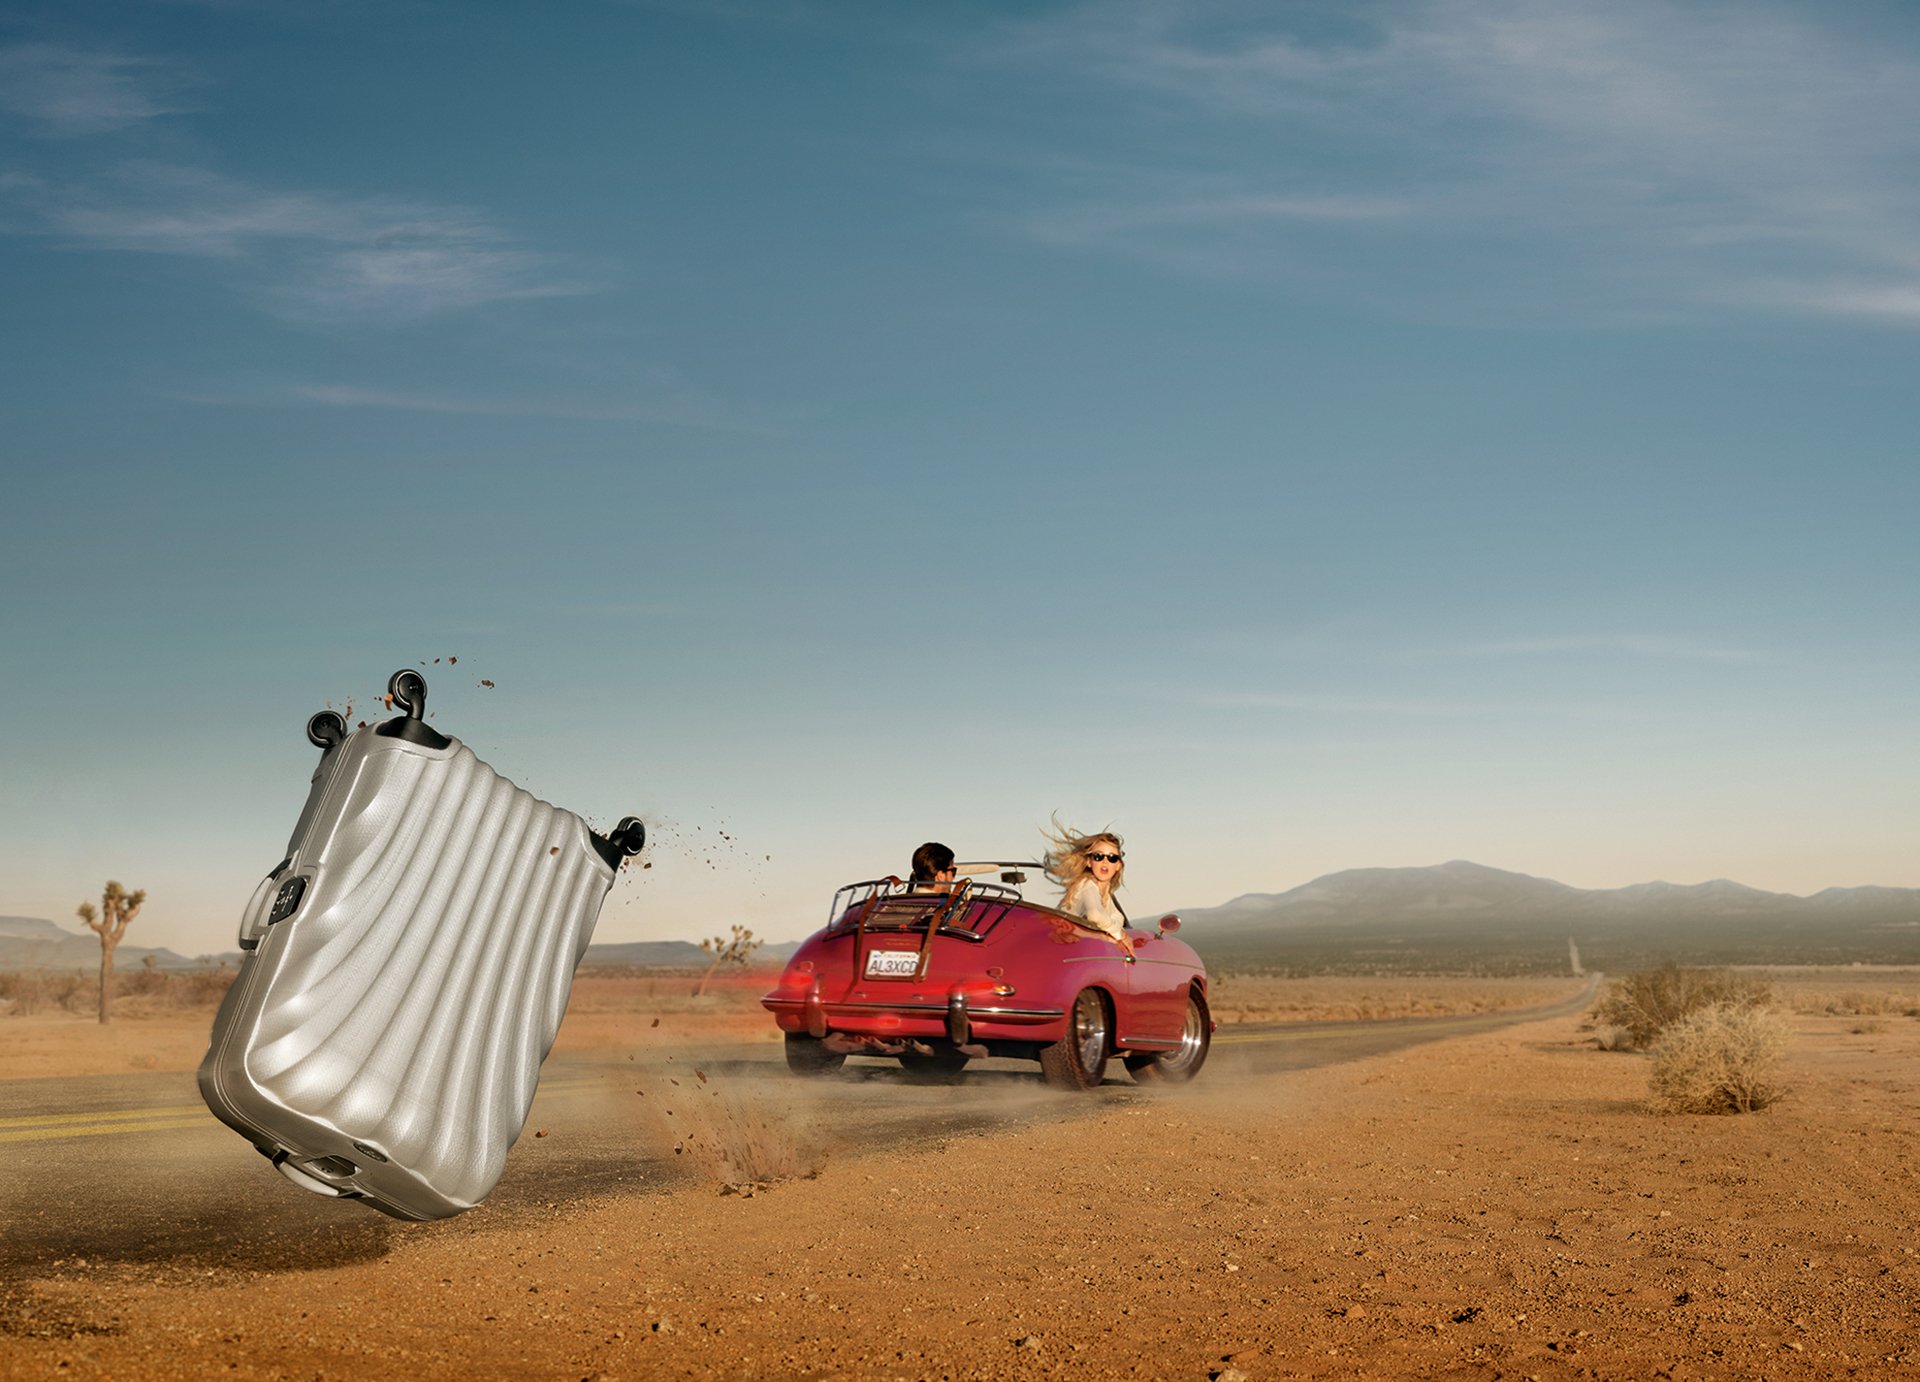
(932, 867)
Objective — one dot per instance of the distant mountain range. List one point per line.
(36, 943)
(1460, 913)
(672, 955)
(1449, 917)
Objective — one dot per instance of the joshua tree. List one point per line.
(117, 908)
(726, 950)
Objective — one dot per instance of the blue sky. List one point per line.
(1300, 436)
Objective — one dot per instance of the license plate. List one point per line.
(892, 964)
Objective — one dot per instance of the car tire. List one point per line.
(1079, 1059)
(934, 1067)
(808, 1055)
(1184, 1062)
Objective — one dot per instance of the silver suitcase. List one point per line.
(406, 969)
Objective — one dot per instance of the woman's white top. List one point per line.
(1101, 913)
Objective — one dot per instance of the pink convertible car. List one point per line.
(938, 975)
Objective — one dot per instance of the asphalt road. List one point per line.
(132, 1169)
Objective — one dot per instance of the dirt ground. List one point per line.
(612, 1010)
(1499, 1205)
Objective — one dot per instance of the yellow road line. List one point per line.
(43, 1127)
(37, 1119)
(205, 1120)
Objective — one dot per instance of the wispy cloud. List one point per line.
(1335, 705)
(1147, 225)
(682, 410)
(1646, 646)
(665, 405)
(1710, 153)
(1373, 647)
(309, 255)
(72, 92)
(414, 281)
(1894, 303)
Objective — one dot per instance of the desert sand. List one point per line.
(1498, 1205)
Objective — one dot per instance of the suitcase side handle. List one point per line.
(253, 921)
(622, 842)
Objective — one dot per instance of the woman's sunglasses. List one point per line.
(1105, 858)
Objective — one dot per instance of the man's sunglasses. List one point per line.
(1105, 858)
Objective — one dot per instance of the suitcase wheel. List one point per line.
(630, 836)
(326, 729)
(620, 843)
(409, 691)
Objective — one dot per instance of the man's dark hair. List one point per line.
(931, 859)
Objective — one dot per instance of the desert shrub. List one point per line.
(149, 982)
(1611, 1038)
(1852, 1003)
(1644, 1005)
(38, 990)
(1719, 1059)
(29, 992)
(201, 988)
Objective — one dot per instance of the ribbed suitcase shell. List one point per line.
(385, 1039)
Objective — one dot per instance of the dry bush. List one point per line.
(144, 991)
(1848, 990)
(1237, 997)
(1719, 1059)
(41, 990)
(1610, 1038)
(1855, 1003)
(1644, 1005)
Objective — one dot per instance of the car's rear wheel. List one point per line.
(1184, 1061)
(1079, 1059)
(807, 1055)
(933, 1067)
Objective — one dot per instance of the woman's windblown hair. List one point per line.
(1067, 854)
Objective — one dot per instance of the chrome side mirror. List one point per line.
(1169, 924)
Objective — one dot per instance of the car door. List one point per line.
(1157, 982)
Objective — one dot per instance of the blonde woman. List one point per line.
(1090, 868)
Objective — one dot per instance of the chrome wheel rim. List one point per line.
(1090, 1031)
(1193, 1040)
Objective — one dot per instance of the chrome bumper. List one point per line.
(956, 1015)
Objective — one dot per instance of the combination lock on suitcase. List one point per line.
(406, 969)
